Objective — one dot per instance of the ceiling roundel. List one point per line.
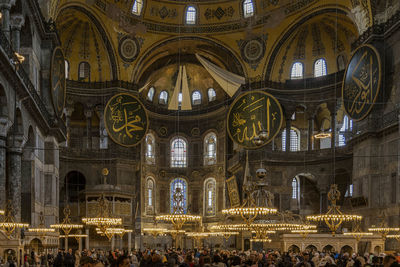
(128, 48)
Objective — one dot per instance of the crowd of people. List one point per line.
(204, 258)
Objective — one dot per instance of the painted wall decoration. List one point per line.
(219, 12)
(163, 12)
(128, 48)
(252, 114)
(362, 82)
(253, 50)
(233, 191)
(58, 81)
(125, 119)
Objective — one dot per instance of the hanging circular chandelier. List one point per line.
(154, 231)
(382, 227)
(178, 217)
(110, 232)
(2, 212)
(9, 225)
(41, 229)
(76, 236)
(261, 240)
(66, 226)
(103, 220)
(357, 233)
(334, 217)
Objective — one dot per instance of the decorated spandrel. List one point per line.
(58, 86)
(125, 119)
(254, 119)
(362, 82)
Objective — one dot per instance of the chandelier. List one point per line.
(66, 226)
(110, 232)
(103, 221)
(262, 240)
(304, 232)
(257, 203)
(397, 237)
(155, 231)
(334, 217)
(41, 229)
(382, 227)
(357, 233)
(2, 212)
(8, 225)
(178, 218)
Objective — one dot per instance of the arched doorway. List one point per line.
(377, 250)
(294, 249)
(346, 249)
(311, 248)
(36, 245)
(328, 249)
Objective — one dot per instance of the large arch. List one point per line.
(76, 9)
(74, 182)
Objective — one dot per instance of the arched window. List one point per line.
(150, 94)
(294, 139)
(163, 98)
(196, 98)
(178, 153)
(150, 201)
(178, 203)
(210, 197)
(320, 67)
(210, 149)
(190, 15)
(212, 95)
(66, 69)
(137, 7)
(347, 126)
(149, 149)
(180, 99)
(295, 188)
(84, 71)
(341, 62)
(297, 71)
(248, 8)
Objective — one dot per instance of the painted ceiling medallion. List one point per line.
(128, 48)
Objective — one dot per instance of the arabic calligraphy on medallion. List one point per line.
(125, 119)
(362, 82)
(58, 86)
(252, 113)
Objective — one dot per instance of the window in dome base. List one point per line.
(320, 67)
(248, 8)
(137, 7)
(196, 98)
(191, 15)
(212, 95)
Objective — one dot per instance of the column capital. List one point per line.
(17, 21)
(17, 142)
(68, 111)
(5, 5)
(88, 113)
(5, 125)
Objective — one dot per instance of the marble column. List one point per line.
(14, 173)
(16, 22)
(87, 239)
(311, 120)
(112, 243)
(5, 20)
(80, 241)
(103, 142)
(88, 115)
(333, 128)
(129, 242)
(68, 112)
(5, 124)
(288, 128)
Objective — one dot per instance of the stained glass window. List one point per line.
(137, 7)
(163, 99)
(196, 98)
(212, 95)
(210, 149)
(150, 94)
(248, 8)
(294, 139)
(149, 149)
(295, 188)
(320, 67)
(297, 71)
(191, 15)
(180, 208)
(210, 197)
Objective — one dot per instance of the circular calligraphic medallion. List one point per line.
(128, 48)
(254, 114)
(125, 119)
(253, 50)
(58, 81)
(361, 82)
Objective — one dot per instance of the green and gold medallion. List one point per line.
(362, 82)
(125, 119)
(58, 86)
(252, 116)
